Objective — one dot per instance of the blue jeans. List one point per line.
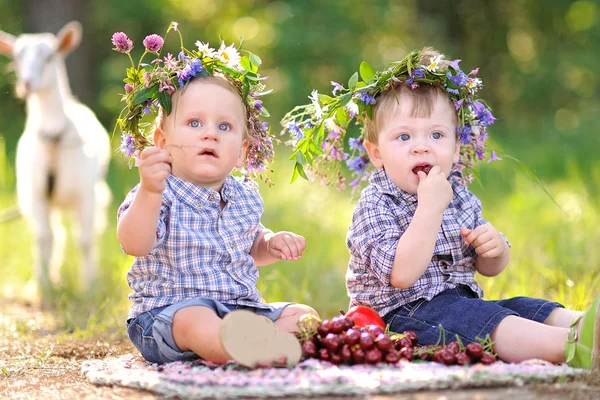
(462, 313)
(152, 333)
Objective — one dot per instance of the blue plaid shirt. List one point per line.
(201, 250)
(381, 216)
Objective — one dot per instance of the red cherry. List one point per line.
(324, 354)
(366, 341)
(335, 358)
(407, 352)
(336, 325)
(404, 342)
(373, 356)
(448, 357)
(384, 342)
(487, 358)
(331, 342)
(363, 316)
(463, 359)
(358, 355)
(346, 353)
(454, 347)
(412, 336)
(309, 348)
(392, 357)
(323, 329)
(351, 336)
(474, 350)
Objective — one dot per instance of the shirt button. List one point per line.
(232, 245)
(212, 197)
(199, 204)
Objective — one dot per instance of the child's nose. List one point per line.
(420, 149)
(209, 133)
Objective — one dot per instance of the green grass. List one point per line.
(554, 252)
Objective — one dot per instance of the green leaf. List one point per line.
(246, 64)
(141, 96)
(370, 111)
(321, 132)
(300, 158)
(324, 99)
(255, 59)
(360, 85)
(264, 112)
(345, 99)
(298, 171)
(165, 101)
(366, 72)
(353, 81)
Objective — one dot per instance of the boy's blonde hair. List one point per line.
(423, 98)
(217, 80)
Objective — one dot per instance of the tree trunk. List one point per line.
(50, 16)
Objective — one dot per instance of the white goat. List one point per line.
(62, 156)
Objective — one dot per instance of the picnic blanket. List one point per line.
(198, 380)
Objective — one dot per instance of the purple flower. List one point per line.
(458, 104)
(153, 43)
(355, 183)
(366, 98)
(265, 125)
(258, 104)
(121, 42)
(480, 153)
(460, 79)
(295, 129)
(418, 73)
(128, 87)
(355, 143)
(493, 157)
(126, 146)
(357, 164)
(454, 64)
(452, 91)
(336, 87)
(189, 71)
(464, 134)
(474, 72)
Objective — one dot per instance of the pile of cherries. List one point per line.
(353, 339)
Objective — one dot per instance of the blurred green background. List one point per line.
(539, 63)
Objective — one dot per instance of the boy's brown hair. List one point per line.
(423, 98)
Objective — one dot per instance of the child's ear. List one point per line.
(239, 164)
(457, 151)
(159, 137)
(374, 154)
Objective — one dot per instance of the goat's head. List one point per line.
(38, 57)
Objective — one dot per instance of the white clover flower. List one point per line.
(435, 63)
(229, 55)
(352, 109)
(205, 49)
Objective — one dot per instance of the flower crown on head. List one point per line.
(318, 130)
(149, 87)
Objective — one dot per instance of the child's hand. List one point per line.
(154, 167)
(486, 240)
(434, 190)
(285, 245)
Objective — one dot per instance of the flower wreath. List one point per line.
(318, 130)
(148, 87)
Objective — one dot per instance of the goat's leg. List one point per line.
(59, 237)
(43, 237)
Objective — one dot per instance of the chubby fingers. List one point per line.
(474, 236)
(289, 245)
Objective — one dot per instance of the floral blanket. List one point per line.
(197, 380)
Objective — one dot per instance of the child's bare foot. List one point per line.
(253, 341)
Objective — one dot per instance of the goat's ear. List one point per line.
(6, 43)
(69, 37)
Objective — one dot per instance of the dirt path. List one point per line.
(37, 362)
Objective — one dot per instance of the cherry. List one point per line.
(454, 347)
(447, 356)
(384, 342)
(323, 329)
(335, 358)
(437, 357)
(331, 342)
(407, 352)
(373, 356)
(366, 341)
(474, 350)
(463, 358)
(346, 353)
(309, 348)
(336, 325)
(403, 342)
(358, 355)
(351, 336)
(392, 357)
(348, 322)
(487, 358)
(412, 336)
(324, 354)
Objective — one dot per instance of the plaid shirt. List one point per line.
(381, 216)
(201, 250)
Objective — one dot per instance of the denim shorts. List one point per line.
(462, 313)
(152, 334)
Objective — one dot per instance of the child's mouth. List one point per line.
(207, 153)
(422, 167)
